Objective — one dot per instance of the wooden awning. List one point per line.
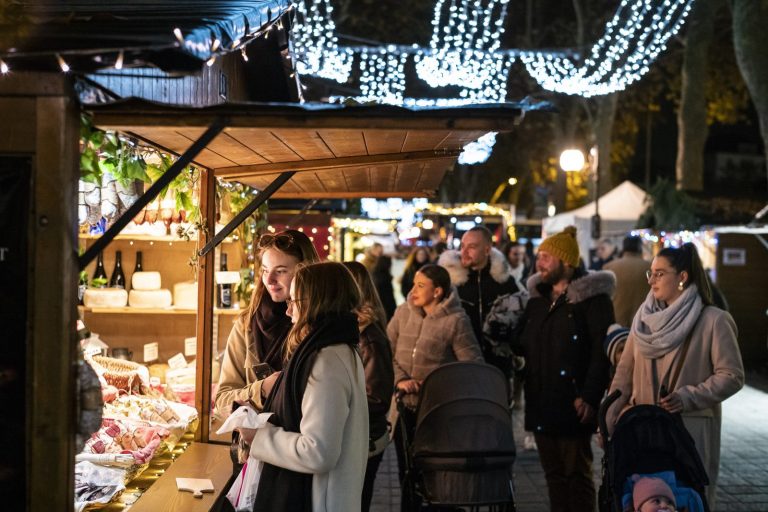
(336, 151)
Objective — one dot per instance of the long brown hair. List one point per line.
(687, 258)
(371, 310)
(319, 289)
(291, 242)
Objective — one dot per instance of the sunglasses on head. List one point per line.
(282, 241)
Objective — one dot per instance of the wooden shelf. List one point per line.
(153, 311)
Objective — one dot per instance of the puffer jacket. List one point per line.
(479, 289)
(562, 342)
(421, 343)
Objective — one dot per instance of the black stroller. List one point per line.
(463, 448)
(648, 440)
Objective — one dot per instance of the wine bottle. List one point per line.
(224, 294)
(100, 275)
(139, 267)
(118, 278)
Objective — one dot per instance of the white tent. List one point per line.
(620, 209)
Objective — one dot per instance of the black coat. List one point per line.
(563, 347)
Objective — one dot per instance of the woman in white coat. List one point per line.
(315, 448)
(681, 354)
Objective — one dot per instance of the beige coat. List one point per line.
(237, 381)
(712, 372)
(631, 286)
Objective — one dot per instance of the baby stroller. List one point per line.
(649, 441)
(463, 447)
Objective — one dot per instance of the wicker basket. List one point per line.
(122, 374)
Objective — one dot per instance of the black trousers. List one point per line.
(370, 476)
(567, 464)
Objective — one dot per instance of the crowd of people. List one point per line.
(324, 348)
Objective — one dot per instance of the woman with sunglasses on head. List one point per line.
(429, 330)
(681, 354)
(315, 446)
(255, 346)
(379, 374)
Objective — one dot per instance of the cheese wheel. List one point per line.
(105, 298)
(149, 298)
(185, 295)
(145, 281)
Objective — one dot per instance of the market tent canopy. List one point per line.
(336, 150)
(620, 210)
(90, 34)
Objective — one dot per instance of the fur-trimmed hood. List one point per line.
(595, 282)
(451, 261)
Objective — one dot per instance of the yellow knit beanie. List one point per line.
(563, 245)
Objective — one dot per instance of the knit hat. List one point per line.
(650, 487)
(563, 245)
(616, 334)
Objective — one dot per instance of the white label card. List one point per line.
(177, 361)
(151, 351)
(190, 347)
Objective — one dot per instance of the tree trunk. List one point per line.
(692, 116)
(603, 126)
(750, 41)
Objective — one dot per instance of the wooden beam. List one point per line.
(352, 195)
(233, 173)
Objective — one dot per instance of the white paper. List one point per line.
(245, 417)
(190, 347)
(177, 362)
(151, 351)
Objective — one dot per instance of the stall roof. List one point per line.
(90, 34)
(336, 150)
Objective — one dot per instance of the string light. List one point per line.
(382, 76)
(314, 42)
(62, 63)
(633, 39)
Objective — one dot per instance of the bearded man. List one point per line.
(561, 338)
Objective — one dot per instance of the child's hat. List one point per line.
(616, 334)
(650, 487)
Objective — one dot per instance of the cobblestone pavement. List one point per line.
(742, 486)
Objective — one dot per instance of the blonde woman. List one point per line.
(316, 445)
(379, 374)
(256, 344)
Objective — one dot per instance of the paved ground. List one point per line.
(743, 484)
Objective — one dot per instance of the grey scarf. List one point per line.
(659, 328)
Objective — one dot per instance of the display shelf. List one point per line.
(140, 237)
(153, 311)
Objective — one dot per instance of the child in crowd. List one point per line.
(614, 342)
(652, 495)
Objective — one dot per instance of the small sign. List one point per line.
(734, 257)
(151, 351)
(177, 361)
(190, 347)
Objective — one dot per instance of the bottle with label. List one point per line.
(118, 278)
(139, 267)
(224, 291)
(100, 275)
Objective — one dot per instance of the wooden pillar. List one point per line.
(205, 306)
(41, 119)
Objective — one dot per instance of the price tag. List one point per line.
(177, 361)
(190, 347)
(151, 351)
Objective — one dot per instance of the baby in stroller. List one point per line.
(650, 456)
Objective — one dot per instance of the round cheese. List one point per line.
(105, 298)
(185, 295)
(145, 281)
(149, 298)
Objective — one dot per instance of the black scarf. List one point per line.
(269, 328)
(281, 489)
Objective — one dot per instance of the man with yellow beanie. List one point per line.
(562, 334)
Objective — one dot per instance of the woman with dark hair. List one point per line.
(428, 330)
(379, 375)
(256, 343)
(315, 446)
(418, 258)
(682, 354)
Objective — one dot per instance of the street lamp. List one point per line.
(511, 182)
(572, 160)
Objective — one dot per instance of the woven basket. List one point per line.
(122, 374)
